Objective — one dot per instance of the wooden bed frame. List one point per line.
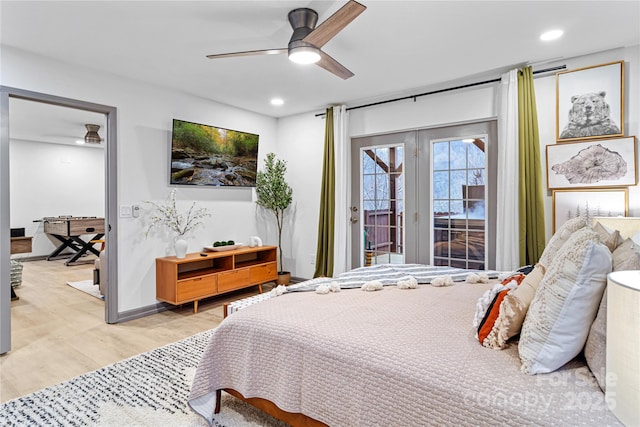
(267, 406)
(293, 419)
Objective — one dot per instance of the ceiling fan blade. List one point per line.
(249, 53)
(334, 24)
(333, 66)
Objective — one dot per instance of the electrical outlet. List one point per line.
(136, 211)
(312, 259)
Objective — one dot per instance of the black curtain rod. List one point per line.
(433, 92)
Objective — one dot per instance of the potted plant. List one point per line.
(275, 195)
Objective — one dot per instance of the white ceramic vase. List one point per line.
(181, 246)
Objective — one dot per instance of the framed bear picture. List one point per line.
(590, 102)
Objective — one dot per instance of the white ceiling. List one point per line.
(35, 121)
(394, 47)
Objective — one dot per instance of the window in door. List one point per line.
(383, 204)
(458, 176)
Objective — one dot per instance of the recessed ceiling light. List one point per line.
(80, 141)
(551, 35)
(277, 101)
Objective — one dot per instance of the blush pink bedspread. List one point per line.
(391, 357)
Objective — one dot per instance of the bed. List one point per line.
(392, 357)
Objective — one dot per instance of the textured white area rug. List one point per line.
(88, 287)
(233, 413)
(150, 389)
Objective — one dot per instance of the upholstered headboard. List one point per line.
(627, 226)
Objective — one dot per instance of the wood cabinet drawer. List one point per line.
(196, 288)
(263, 273)
(198, 276)
(233, 279)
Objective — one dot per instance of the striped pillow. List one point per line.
(493, 310)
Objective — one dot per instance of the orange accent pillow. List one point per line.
(491, 315)
(518, 277)
(493, 311)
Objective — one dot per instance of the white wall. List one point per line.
(51, 180)
(546, 103)
(301, 144)
(144, 121)
(300, 138)
(145, 114)
(471, 104)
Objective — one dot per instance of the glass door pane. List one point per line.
(458, 199)
(382, 195)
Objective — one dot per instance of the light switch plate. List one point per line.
(126, 211)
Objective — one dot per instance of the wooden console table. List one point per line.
(202, 275)
(21, 245)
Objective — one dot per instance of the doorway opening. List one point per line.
(9, 96)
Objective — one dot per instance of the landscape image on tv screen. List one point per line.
(208, 155)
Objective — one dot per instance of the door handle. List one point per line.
(353, 219)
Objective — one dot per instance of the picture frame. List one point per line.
(568, 204)
(594, 163)
(590, 102)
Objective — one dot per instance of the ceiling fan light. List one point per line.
(304, 54)
(92, 136)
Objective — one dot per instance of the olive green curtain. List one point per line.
(531, 203)
(326, 222)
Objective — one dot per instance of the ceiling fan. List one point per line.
(307, 39)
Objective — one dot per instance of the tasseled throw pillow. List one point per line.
(513, 310)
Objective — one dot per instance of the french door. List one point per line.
(425, 196)
(383, 167)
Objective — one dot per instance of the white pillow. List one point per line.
(558, 240)
(565, 304)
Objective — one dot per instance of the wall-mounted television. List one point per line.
(209, 155)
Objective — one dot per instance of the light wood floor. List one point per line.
(59, 332)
